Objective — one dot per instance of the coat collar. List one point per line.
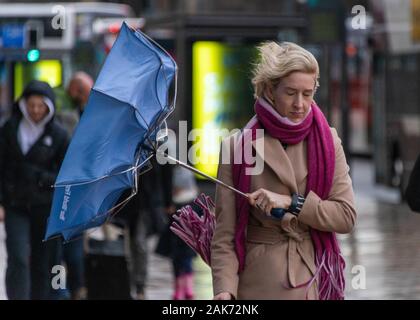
(14, 125)
(289, 167)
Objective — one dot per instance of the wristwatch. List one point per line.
(297, 204)
(295, 207)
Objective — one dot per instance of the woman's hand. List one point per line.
(223, 296)
(266, 200)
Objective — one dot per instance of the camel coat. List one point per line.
(279, 254)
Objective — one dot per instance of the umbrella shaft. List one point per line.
(186, 166)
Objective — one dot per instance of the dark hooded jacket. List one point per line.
(26, 179)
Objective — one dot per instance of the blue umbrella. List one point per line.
(116, 135)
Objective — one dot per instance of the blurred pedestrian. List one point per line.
(305, 176)
(32, 147)
(79, 89)
(412, 193)
(75, 100)
(184, 191)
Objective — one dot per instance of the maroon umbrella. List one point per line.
(194, 229)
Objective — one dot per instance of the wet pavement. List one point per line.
(385, 243)
(382, 253)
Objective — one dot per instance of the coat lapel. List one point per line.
(273, 154)
(297, 156)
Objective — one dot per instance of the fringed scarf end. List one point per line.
(330, 276)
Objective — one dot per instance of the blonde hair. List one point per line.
(278, 60)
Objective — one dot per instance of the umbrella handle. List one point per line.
(278, 213)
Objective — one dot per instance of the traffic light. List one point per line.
(33, 55)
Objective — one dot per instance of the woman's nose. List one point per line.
(298, 103)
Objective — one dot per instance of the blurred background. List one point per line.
(369, 56)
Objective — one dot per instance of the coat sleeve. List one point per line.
(337, 213)
(413, 189)
(224, 263)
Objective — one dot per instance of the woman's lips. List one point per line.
(297, 114)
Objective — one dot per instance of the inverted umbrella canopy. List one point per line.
(127, 106)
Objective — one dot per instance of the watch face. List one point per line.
(278, 213)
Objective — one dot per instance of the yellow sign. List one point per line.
(207, 103)
(222, 97)
(49, 71)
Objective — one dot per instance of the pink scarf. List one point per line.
(321, 163)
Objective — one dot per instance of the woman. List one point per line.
(255, 255)
(32, 147)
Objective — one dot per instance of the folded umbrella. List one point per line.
(195, 229)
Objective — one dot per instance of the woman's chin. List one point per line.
(296, 119)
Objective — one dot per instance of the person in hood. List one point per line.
(32, 147)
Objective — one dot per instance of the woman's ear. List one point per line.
(268, 94)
